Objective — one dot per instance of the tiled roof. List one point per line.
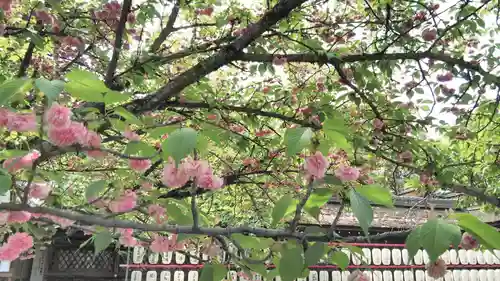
(398, 217)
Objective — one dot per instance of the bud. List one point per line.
(436, 269)
(468, 242)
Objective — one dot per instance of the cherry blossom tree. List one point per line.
(220, 124)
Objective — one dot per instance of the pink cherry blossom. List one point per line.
(316, 165)
(436, 269)
(126, 238)
(93, 139)
(160, 244)
(21, 241)
(209, 181)
(194, 168)
(18, 163)
(158, 212)
(8, 253)
(16, 244)
(124, 203)
(39, 190)
(131, 135)
(173, 176)
(139, 165)
(19, 217)
(13, 164)
(58, 116)
(63, 222)
(468, 242)
(378, 124)
(4, 116)
(22, 122)
(346, 173)
(4, 217)
(67, 136)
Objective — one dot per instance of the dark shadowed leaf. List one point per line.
(436, 236)
(340, 259)
(291, 264)
(102, 240)
(314, 253)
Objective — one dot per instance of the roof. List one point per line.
(408, 212)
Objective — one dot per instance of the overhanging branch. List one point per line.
(223, 57)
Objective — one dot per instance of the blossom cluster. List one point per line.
(17, 244)
(316, 166)
(199, 170)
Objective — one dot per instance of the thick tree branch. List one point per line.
(224, 56)
(188, 229)
(324, 59)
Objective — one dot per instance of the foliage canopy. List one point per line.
(289, 102)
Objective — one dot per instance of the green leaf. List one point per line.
(102, 240)
(252, 242)
(340, 259)
(130, 117)
(362, 210)
(318, 198)
(177, 214)
(5, 181)
(314, 253)
(160, 131)
(10, 88)
(115, 97)
(220, 271)
(479, 229)
(413, 242)
(377, 194)
(180, 143)
(280, 208)
(92, 191)
(291, 264)
(339, 140)
(213, 272)
(296, 139)
(436, 236)
(85, 86)
(139, 148)
(333, 180)
(51, 89)
(314, 44)
(335, 123)
(6, 154)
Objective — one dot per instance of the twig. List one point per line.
(300, 206)
(169, 28)
(113, 63)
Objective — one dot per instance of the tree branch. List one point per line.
(169, 28)
(113, 63)
(224, 56)
(215, 231)
(323, 59)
